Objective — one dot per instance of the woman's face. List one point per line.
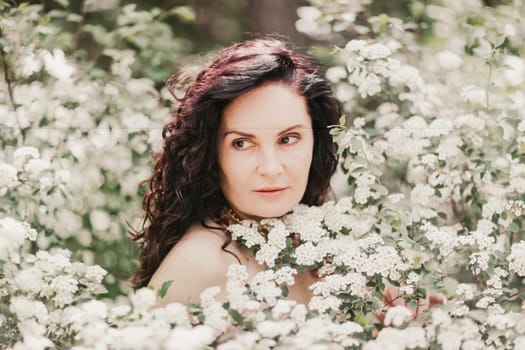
(265, 144)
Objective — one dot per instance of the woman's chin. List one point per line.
(270, 213)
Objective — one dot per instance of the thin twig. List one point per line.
(514, 294)
(385, 306)
(488, 87)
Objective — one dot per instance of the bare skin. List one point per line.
(197, 262)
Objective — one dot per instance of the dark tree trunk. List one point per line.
(277, 17)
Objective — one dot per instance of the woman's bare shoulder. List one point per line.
(195, 263)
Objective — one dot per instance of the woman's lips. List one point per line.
(270, 191)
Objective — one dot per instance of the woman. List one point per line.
(250, 139)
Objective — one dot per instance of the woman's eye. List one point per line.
(241, 144)
(289, 139)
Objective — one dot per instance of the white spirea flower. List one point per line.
(30, 280)
(308, 12)
(35, 167)
(57, 65)
(449, 147)
(119, 311)
(127, 337)
(62, 176)
(13, 233)
(449, 60)
(248, 231)
(267, 255)
(516, 258)
(367, 84)
(285, 275)
(335, 74)
(479, 261)
(216, 317)
(30, 64)
(514, 70)
(8, 177)
(143, 299)
(406, 75)
(25, 308)
(265, 288)
(173, 313)
(53, 262)
(237, 272)
(94, 310)
(277, 234)
(34, 342)
(359, 122)
(298, 314)
(459, 309)
(494, 206)
(355, 45)
(375, 51)
(519, 342)
(307, 254)
(23, 154)
(195, 338)
(242, 341)
(100, 220)
(466, 290)
(393, 338)
(445, 238)
(282, 308)
(272, 329)
(95, 273)
(422, 194)
(306, 221)
(323, 304)
(440, 317)
(397, 316)
(473, 94)
(207, 297)
(485, 302)
(62, 288)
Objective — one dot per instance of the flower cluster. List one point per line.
(77, 139)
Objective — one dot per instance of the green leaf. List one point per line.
(184, 13)
(236, 316)
(478, 315)
(64, 3)
(342, 120)
(285, 291)
(500, 131)
(164, 288)
(73, 17)
(500, 41)
(514, 227)
(360, 318)
(450, 285)
(475, 21)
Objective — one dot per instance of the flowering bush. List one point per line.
(82, 125)
(432, 148)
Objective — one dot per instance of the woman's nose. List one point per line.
(269, 162)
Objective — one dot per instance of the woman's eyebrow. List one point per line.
(296, 126)
(245, 134)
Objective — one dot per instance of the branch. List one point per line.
(78, 32)
(7, 78)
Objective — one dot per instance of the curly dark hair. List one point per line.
(184, 187)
